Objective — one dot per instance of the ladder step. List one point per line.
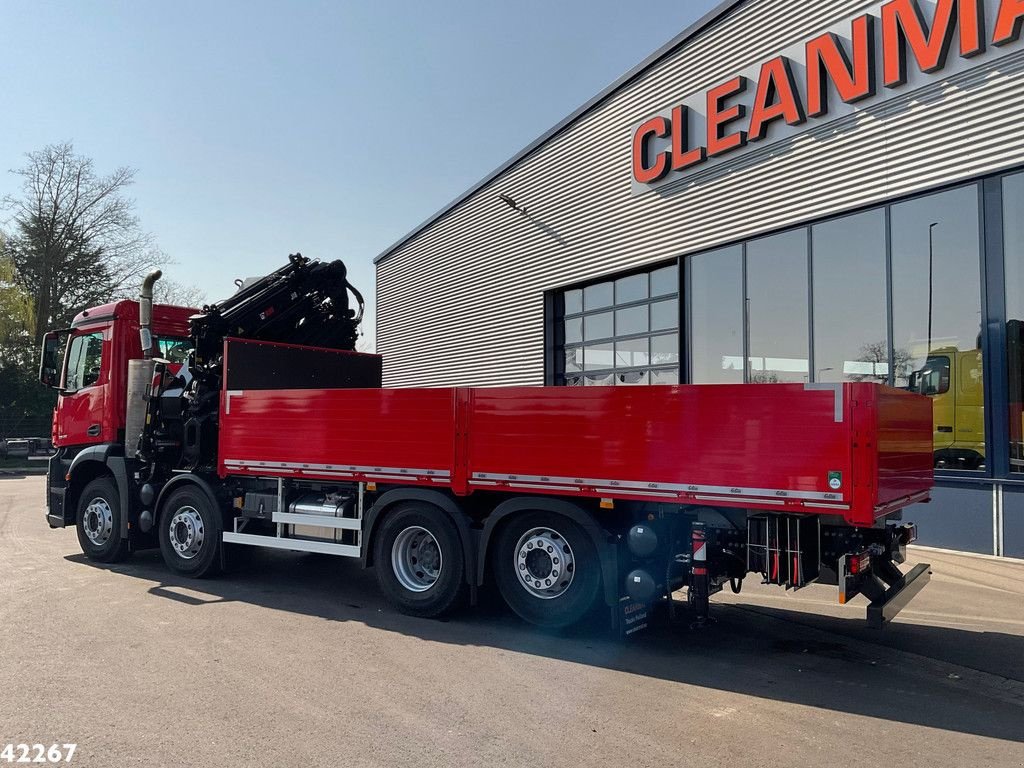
(294, 545)
(323, 521)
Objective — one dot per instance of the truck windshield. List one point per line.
(932, 378)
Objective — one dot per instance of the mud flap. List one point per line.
(632, 616)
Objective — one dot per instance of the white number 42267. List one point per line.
(37, 753)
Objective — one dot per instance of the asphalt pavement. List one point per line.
(294, 660)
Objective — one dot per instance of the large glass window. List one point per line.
(849, 294)
(777, 308)
(1013, 248)
(622, 332)
(716, 316)
(85, 356)
(936, 290)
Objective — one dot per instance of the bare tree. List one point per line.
(76, 240)
(365, 344)
(877, 352)
(179, 294)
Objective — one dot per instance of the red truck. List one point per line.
(255, 423)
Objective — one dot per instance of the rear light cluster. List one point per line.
(854, 569)
(857, 564)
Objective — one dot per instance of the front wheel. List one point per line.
(419, 562)
(190, 529)
(547, 569)
(99, 522)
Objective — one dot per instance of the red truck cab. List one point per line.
(87, 364)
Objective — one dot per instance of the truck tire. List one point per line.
(419, 561)
(190, 529)
(99, 522)
(547, 569)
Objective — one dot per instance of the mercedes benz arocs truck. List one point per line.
(254, 423)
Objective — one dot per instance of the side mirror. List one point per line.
(51, 360)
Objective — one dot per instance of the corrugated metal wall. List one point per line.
(462, 302)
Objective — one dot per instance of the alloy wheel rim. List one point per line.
(187, 532)
(544, 563)
(98, 521)
(416, 559)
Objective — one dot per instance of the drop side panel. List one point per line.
(777, 444)
(855, 450)
(905, 460)
(397, 434)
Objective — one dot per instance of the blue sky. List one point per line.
(331, 128)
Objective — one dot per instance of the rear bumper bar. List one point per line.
(895, 598)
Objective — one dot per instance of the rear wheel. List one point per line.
(190, 529)
(419, 562)
(547, 569)
(99, 522)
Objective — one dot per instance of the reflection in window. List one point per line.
(665, 281)
(573, 301)
(574, 360)
(633, 378)
(1013, 247)
(936, 287)
(84, 360)
(670, 376)
(632, 288)
(621, 332)
(849, 294)
(777, 307)
(574, 330)
(599, 326)
(598, 380)
(598, 356)
(664, 315)
(631, 320)
(716, 316)
(598, 296)
(632, 353)
(932, 378)
(665, 349)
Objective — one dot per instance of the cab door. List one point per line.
(935, 381)
(82, 401)
(970, 403)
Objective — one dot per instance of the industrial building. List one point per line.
(785, 192)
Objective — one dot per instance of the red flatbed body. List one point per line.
(856, 450)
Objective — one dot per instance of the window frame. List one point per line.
(748, 356)
(555, 371)
(81, 337)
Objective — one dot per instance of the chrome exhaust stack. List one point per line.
(141, 372)
(146, 312)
